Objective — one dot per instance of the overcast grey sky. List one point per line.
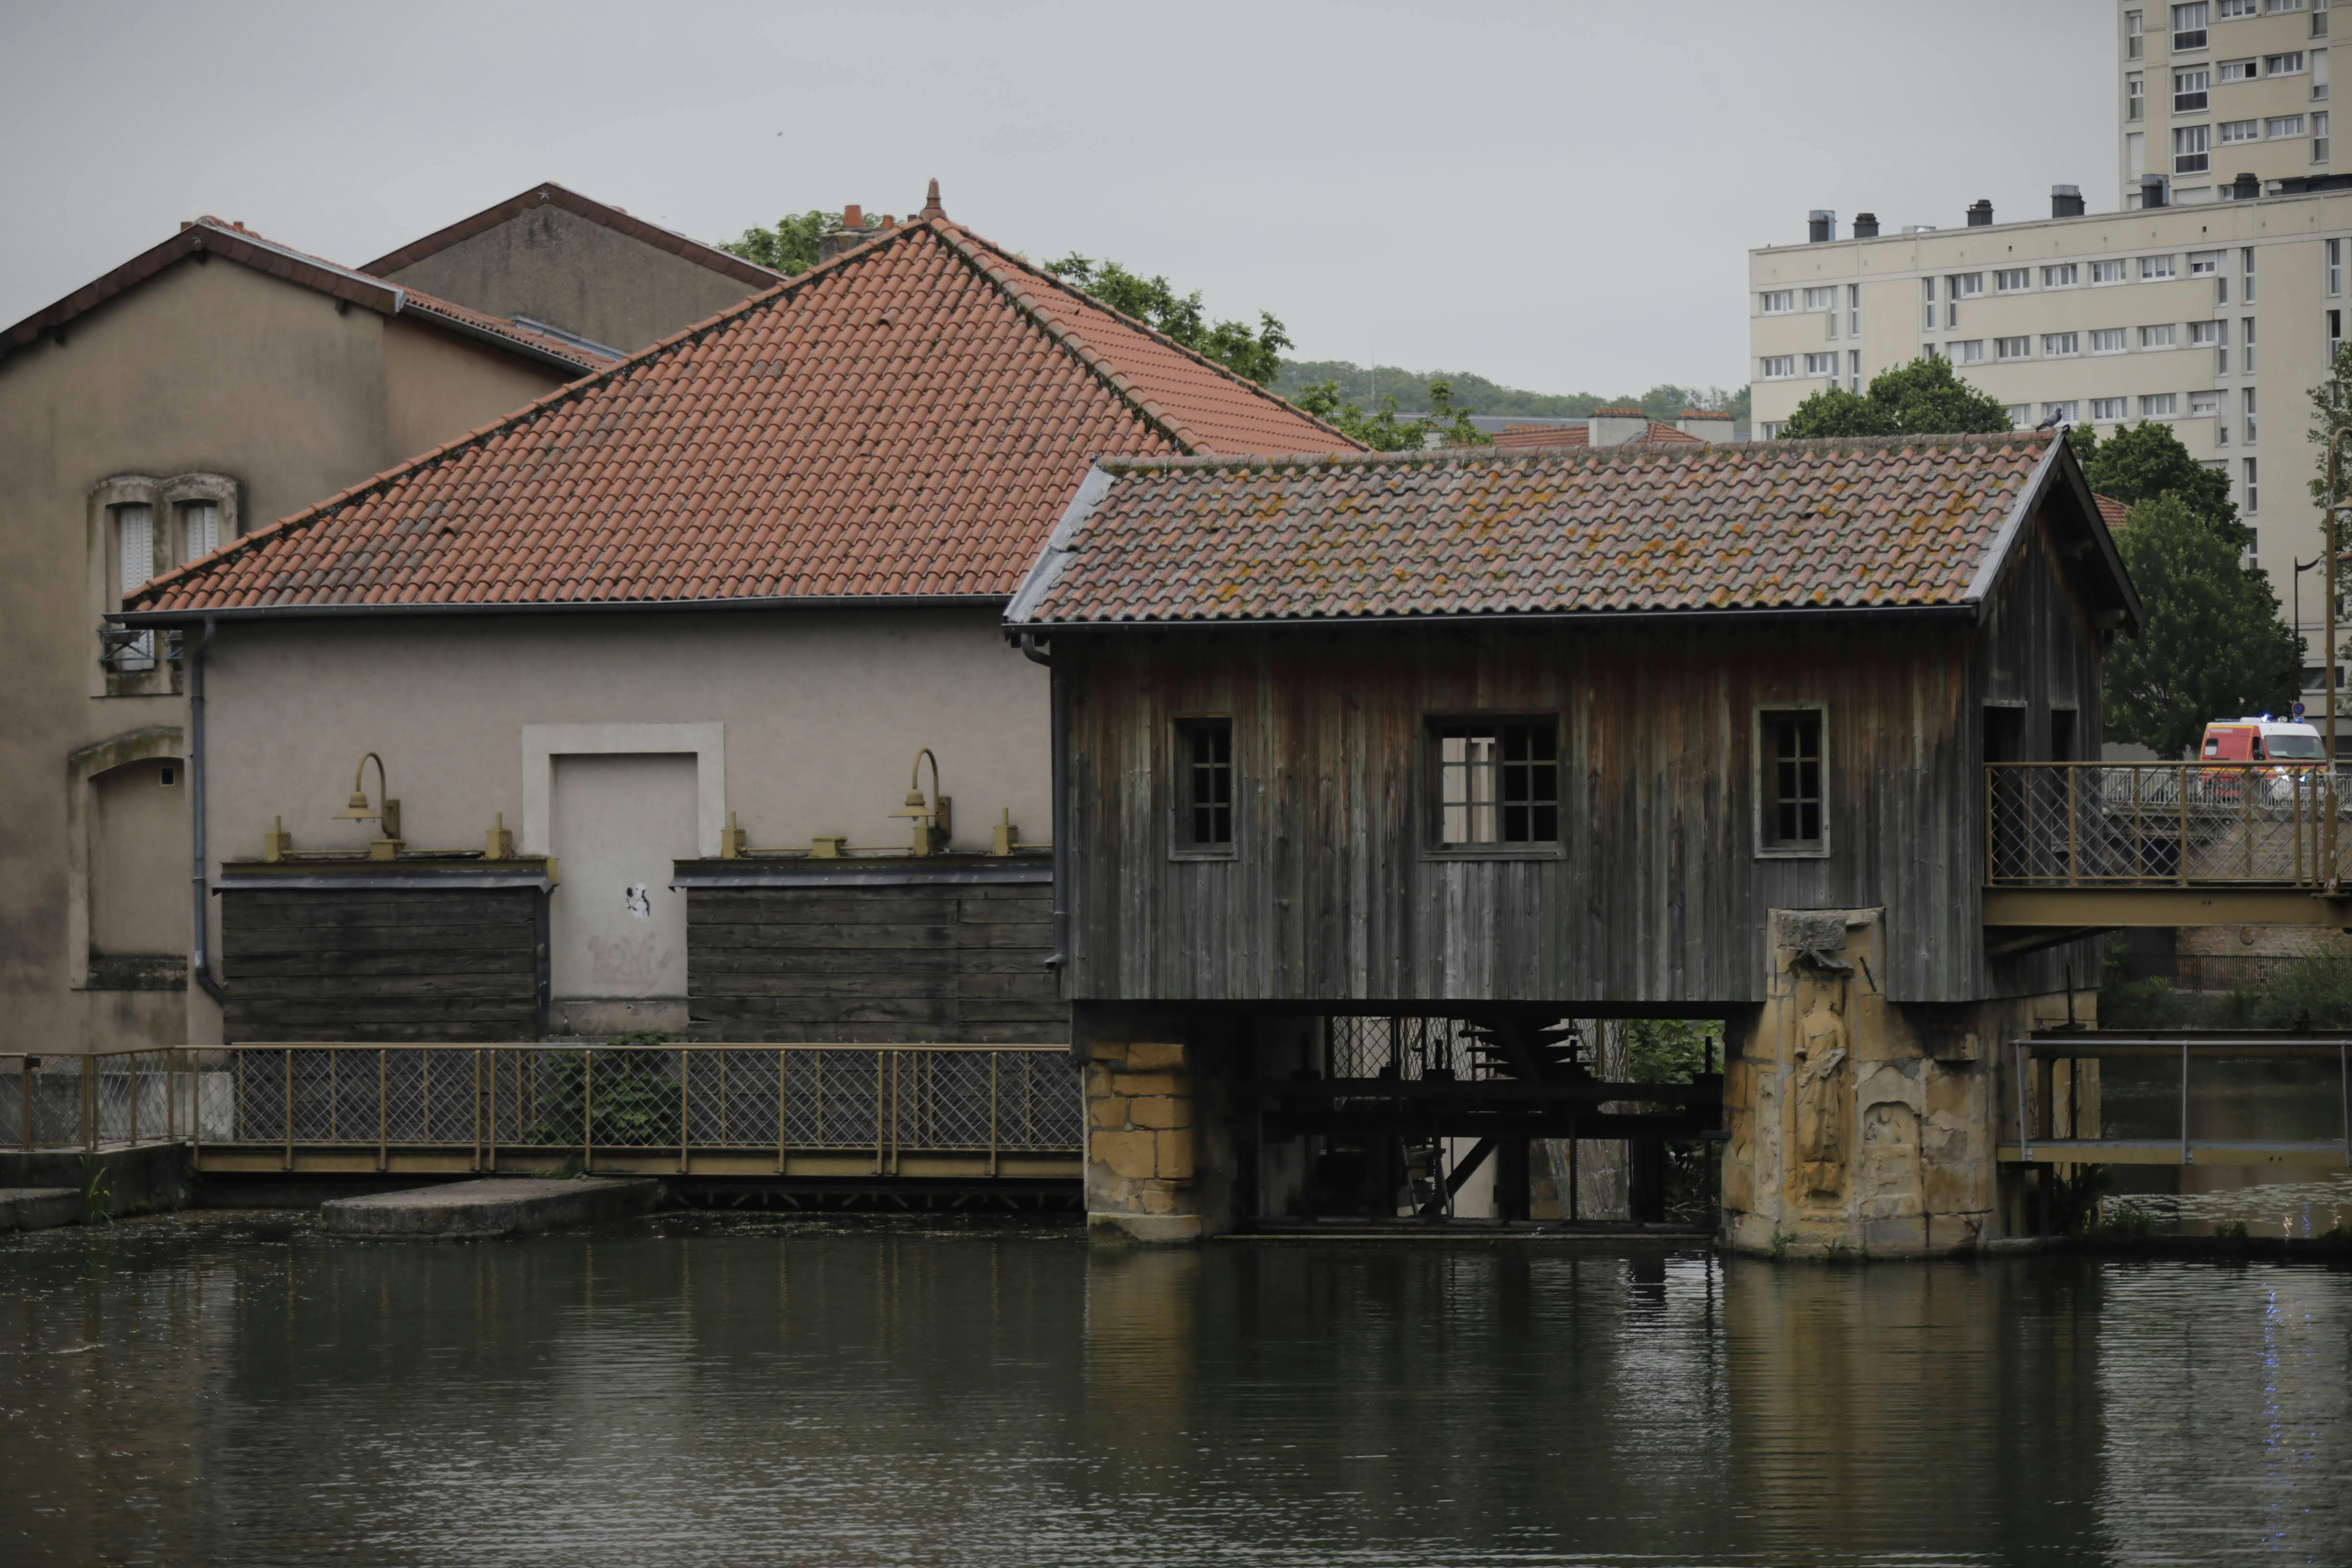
(1556, 195)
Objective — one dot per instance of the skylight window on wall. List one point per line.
(1778, 301)
(2061, 275)
(2190, 91)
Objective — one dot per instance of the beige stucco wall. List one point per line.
(558, 267)
(817, 716)
(212, 368)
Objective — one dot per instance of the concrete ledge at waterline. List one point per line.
(39, 1208)
(1143, 1229)
(495, 1205)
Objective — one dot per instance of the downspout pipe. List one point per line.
(1059, 958)
(199, 962)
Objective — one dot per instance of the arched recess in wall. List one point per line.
(126, 766)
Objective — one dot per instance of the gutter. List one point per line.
(566, 606)
(200, 937)
(1059, 960)
(400, 307)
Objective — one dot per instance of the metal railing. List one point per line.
(739, 1107)
(2207, 1098)
(2164, 825)
(108, 1100)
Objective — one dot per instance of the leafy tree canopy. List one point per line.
(1385, 431)
(789, 247)
(2141, 462)
(2331, 410)
(2212, 644)
(1922, 398)
(1256, 355)
(1368, 384)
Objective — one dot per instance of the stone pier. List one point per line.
(1141, 1150)
(1860, 1126)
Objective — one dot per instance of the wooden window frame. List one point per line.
(1431, 776)
(1182, 844)
(1761, 773)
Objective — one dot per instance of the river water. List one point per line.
(220, 1388)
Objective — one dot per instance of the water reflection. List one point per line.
(693, 1392)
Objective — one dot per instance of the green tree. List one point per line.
(789, 247)
(1367, 384)
(1385, 431)
(1256, 355)
(2212, 643)
(2331, 410)
(2141, 462)
(1922, 398)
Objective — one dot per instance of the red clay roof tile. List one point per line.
(908, 419)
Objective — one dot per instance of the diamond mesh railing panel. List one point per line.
(2165, 823)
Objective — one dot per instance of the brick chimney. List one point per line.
(845, 236)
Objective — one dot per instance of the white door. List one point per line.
(618, 958)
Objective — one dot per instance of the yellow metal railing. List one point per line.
(2164, 824)
(108, 1100)
(736, 1108)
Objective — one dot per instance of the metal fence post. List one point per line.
(587, 1107)
(993, 1058)
(382, 1147)
(2184, 1102)
(782, 1127)
(2181, 861)
(683, 1058)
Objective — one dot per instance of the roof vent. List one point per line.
(2065, 200)
(1866, 226)
(2151, 190)
(1820, 224)
(1980, 213)
(2245, 188)
(931, 207)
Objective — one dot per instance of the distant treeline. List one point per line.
(1475, 392)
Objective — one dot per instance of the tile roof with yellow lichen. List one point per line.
(904, 421)
(1885, 523)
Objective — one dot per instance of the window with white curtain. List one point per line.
(134, 551)
(199, 528)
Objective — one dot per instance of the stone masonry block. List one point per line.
(1172, 1154)
(1161, 1111)
(1142, 1083)
(1131, 1154)
(1106, 1112)
(1150, 1057)
(1159, 1198)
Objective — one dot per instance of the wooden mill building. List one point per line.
(1508, 738)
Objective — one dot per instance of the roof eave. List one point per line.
(188, 615)
(1951, 611)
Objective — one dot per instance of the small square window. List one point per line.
(1792, 807)
(1498, 783)
(1204, 789)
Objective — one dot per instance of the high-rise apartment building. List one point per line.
(2216, 89)
(2215, 319)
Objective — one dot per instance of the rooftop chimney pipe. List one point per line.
(2065, 200)
(2245, 188)
(1820, 224)
(2151, 190)
(1866, 226)
(1980, 213)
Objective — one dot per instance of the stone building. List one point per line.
(647, 663)
(1501, 740)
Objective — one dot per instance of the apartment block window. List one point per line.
(2107, 410)
(2252, 487)
(2319, 138)
(2246, 411)
(1792, 815)
(1777, 302)
(2204, 263)
(1966, 285)
(1497, 784)
(2021, 416)
(2288, 64)
(2233, 131)
(2134, 157)
(2157, 268)
(2246, 344)
(2059, 277)
(2204, 405)
(2188, 25)
(2190, 91)
(2160, 404)
(1854, 370)
(2107, 341)
(2335, 333)
(1205, 792)
(2134, 97)
(1969, 353)
(2135, 43)
(1821, 365)
(1854, 310)
(2156, 337)
(2012, 281)
(2107, 272)
(1780, 367)
(1772, 428)
(1820, 298)
(2060, 345)
(2280, 127)
(2204, 334)
(134, 554)
(2231, 10)
(2318, 75)
(2238, 70)
(2064, 412)
(2276, 5)
(2246, 270)
(199, 528)
(2319, 19)
(2189, 156)
(2012, 348)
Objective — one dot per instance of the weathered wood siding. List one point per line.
(383, 965)
(920, 963)
(1658, 896)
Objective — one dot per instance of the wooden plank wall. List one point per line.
(1658, 897)
(382, 965)
(924, 963)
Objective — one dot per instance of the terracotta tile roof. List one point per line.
(235, 242)
(1775, 524)
(908, 419)
(2114, 513)
(1522, 437)
(618, 219)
